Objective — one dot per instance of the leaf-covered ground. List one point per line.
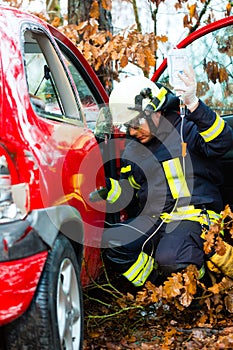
(180, 314)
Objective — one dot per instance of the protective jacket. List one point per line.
(159, 174)
(171, 186)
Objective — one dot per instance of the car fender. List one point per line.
(48, 222)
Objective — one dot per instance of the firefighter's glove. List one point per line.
(101, 193)
(188, 95)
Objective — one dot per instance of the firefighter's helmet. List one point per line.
(136, 94)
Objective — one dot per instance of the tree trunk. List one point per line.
(79, 11)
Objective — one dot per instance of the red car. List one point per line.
(49, 163)
(51, 158)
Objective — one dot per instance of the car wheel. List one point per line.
(54, 319)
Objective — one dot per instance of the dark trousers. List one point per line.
(174, 245)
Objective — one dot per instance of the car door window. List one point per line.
(50, 90)
(89, 95)
(212, 58)
(89, 103)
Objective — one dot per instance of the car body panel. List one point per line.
(18, 282)
(55, 159)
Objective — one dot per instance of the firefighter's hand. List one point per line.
(101, 193)
(188, 95)
(98, 195)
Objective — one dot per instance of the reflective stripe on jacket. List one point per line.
(190, 213)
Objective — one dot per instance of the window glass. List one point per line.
(88, 100)
(49, 87)
(212, 59)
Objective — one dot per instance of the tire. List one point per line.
(54, 319)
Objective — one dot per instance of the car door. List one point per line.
(94, 100)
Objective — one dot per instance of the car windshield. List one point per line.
(212, 58)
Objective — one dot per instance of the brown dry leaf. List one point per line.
(186, 298)
(90, 29)
(162, 38)
(111, 346)
(202, 320)
(202, 88)
(140, 59)
(98, 63)
(96, 53)
(209, 242)
(56, 22)
(228, 8)
(107, 5)
(87, 51)
(225, 342)
(227, 331)
(71, 32)
(124, 61)
(129, 296)
(94, 11)
(231, 232)
(220, 246)
(149, 56)
(81, 27)
(192, 10)
(121, 302)
(212, 71)
(219, 308)
(99, 38)
(223, 286)
(190, 282)
(154, 293)
(94, 335)
(226, 212)
(131, 339)
(169, 336)
(215, 289)
(186, 22)
(178, 306)
(142, 295)
(173, 285)
(223, 75)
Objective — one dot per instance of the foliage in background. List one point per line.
(103, 49)
(130, 45)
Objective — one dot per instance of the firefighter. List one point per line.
(170, 178)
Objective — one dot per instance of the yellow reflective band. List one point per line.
(175, 178)
(215, 130)
(115, 191)
(153, 105)
(140, 270)
(158, 99)
(188, 213)
(201, 272)
(126, 169)
(162, 93)
(133, 183)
